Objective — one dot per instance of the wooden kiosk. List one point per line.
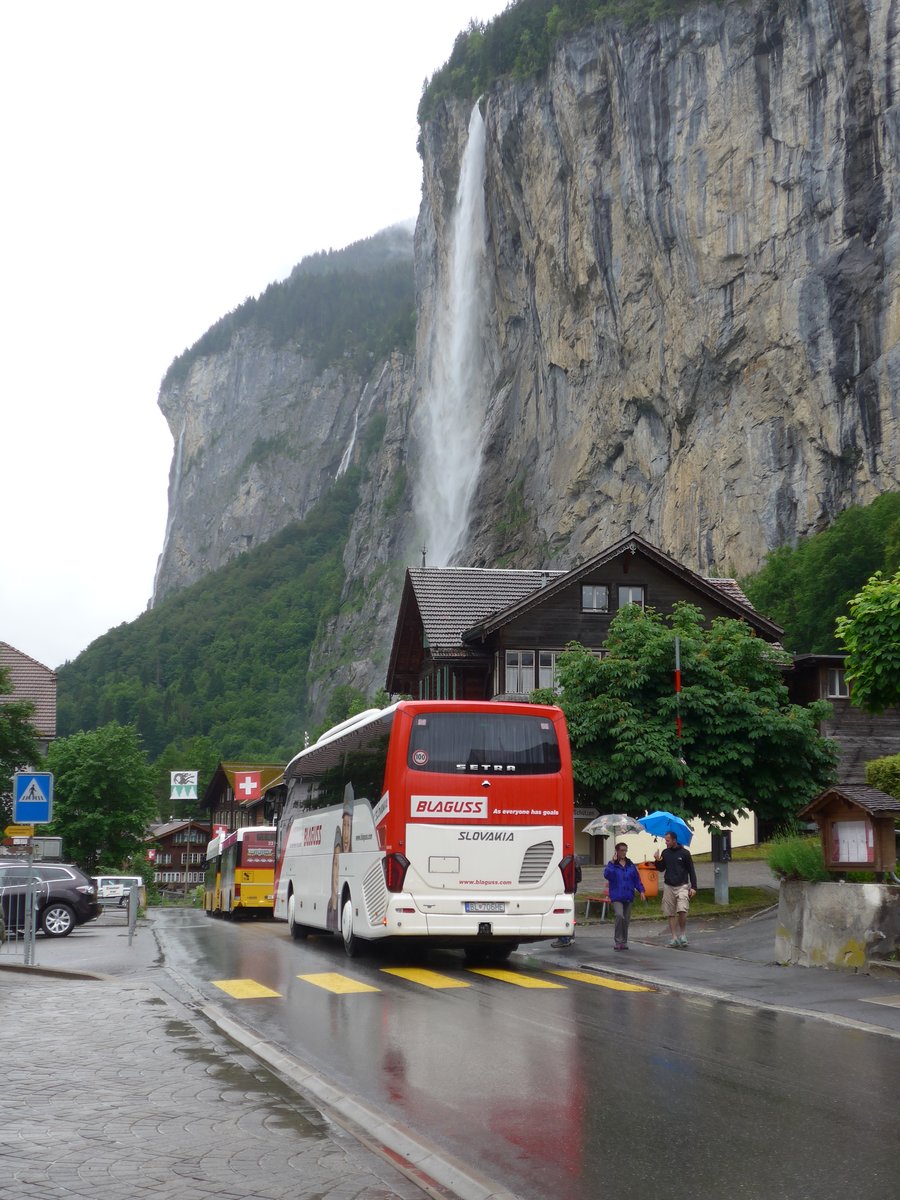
(856, 824)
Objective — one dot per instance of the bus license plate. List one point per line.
(485, 906)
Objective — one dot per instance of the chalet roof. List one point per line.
(726, 592)
(163, 829)
(870, 799)
(454, 599)
(31, 681)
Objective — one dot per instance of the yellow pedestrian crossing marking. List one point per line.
(429, 979)
(598, 981)
(525, 981)
(244, 989)
(331, 981)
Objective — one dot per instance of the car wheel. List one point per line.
(351, 941)
(57, 920)
(298, 932)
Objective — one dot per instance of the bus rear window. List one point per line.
(259, 849)
(501, 743)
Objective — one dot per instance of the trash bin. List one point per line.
(649, 878)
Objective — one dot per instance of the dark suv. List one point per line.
(64, 897)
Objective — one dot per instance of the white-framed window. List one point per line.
(630, 593)
(547, 668)
(594, 597)
(837, 687)
(519, 671)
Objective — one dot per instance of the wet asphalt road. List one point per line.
(576, 1091)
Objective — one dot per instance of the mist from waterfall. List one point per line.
(456, 398)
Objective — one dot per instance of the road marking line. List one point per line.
(244, 989)
(598, 981)
(525, 981)
(893, 1001)
(332, 982)
(429, 979)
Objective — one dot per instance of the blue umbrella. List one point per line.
(659, 823)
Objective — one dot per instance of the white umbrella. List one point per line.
(613, 823)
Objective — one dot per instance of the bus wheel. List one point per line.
(298, 932)
(350, 940)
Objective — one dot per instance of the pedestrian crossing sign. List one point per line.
(33, 798)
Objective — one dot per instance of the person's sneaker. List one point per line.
(623, 946)
(682, 942)
(618, 946)
(675, 944)
(561, 943)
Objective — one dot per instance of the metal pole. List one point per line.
(29, 930)
(720, 883)
(678, 708)
(133, 897)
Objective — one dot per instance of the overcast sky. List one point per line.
(161, 163)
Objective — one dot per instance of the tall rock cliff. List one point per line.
(693, 239)
(691, 330)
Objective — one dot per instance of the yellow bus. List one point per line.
(240, 873)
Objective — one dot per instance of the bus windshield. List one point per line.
(459, 742)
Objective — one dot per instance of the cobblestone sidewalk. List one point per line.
(112, 1092)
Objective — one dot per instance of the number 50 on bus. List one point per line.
(448, 823)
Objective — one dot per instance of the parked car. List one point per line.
(118, 888)
(63, 895)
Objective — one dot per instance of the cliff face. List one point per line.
(692, 260)
(693, 246)
(259, 438)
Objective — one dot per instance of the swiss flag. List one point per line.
(246, 785)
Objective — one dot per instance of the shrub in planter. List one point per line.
(794, 857)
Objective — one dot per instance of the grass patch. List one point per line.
(741, 900)
(758, 853)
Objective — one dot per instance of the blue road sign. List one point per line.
(33, 799)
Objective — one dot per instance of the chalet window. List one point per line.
(594, 597)
(837, 686)
(631, 594)
(546, 668)
(519, 671)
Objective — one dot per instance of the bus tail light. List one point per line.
(567, 867)
(237, 890)
(395, 868)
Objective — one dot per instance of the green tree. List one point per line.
(884, 774)
(743, 744)
(871, 637)
(19, 745)
(103, 794)
(807, 587)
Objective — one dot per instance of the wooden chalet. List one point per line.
(480, 634)
(177, 849)
(860, 736)
(477, 634)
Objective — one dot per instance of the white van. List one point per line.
(116, 888)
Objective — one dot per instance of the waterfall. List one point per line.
(174, 485)
(456, 397)
(347, 456)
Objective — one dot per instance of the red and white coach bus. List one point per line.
(449, 822)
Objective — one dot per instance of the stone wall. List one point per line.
(845, 926)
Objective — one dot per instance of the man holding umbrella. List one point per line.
(679, 887)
